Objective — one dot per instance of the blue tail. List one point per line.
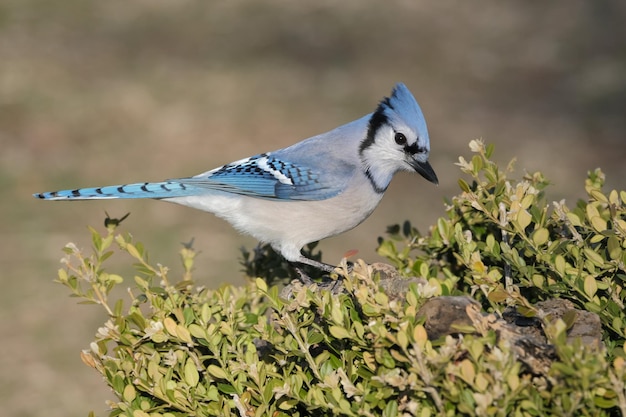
(166, 189)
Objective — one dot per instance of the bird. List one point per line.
(317, 188)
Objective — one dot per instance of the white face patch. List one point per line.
(282, 178)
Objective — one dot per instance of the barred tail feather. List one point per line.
(166, 189)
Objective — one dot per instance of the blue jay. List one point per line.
(317, 188)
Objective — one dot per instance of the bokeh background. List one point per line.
(106, 92)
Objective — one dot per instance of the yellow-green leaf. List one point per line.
(170, 326)
(593, 256)
(132, 251)
(614, 248)
(573, 218)
(528, 200)
(591, 286)
(443, 226)
(419, 335)
(198, 331)
(498, 295)
(477, 163)
(261, 284)
(481, 382)
(183, 334)
(191, 373)
(538, 280)
(370, 360)
(598, 223)
(403, 340)
(129, 393)
(115, 278)
(336, 313)
(592, 211)
(523, 219)
(598, 195)
(216, 372)
(467, 371)
(540, 236)
(339, 332)
(464, 185)
(512, 380)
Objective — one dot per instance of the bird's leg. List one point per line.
(316, 264)
(302, 276)
(324, 267)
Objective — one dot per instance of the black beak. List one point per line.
(425, 170)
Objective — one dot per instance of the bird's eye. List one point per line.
(400, 138)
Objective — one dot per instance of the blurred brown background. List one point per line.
(96, 93)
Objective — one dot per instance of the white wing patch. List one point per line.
(282, 178)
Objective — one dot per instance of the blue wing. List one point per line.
(261, 176)
(267, 176)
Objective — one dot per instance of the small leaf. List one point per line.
(477, 164)
(593, 256)
(528, 200)
(339, 332)
(490, 242)
(336, 313)
(489, 150)
(261, 284)
(598, 195)
(605, 402)
(216, 372)
(614, 248)
(538, 280)
(467, 371)
(129, 393)
(443, 226)
(574, 219)
(540, 236)
(198, 332)
(464, 185)
(420, 336)
(598, 223)
(191, 373)
(288, 404)
(523, 219)
(590, 286)
(132, 251)
(370, 360)
(512, 381)
(498, 296)
(117, 279)
(387, 250)
(403, 340)
(183, 334)
(170, 325)
(559, 264)
(315, 337)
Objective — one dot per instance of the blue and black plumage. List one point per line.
(317, 188)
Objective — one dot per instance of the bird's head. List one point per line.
(397, 140)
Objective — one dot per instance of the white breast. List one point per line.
(288, 225)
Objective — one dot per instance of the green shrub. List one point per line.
(174, 349)
(500, 230)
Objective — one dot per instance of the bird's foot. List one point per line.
(306, 279)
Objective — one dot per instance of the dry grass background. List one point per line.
(95, 93)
